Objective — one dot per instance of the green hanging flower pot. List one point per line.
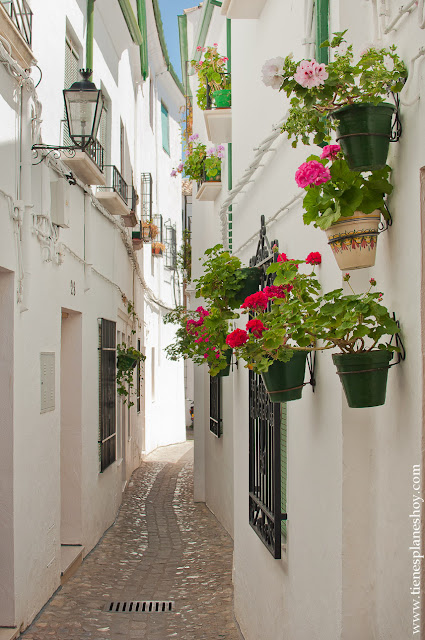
(284, 381)
(222, 98)
(225, 372)
(364, 133)
(250, 285)
(364, 377)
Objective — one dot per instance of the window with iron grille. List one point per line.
(170, 245)
(283, 462)
(107, 393)
(216, 426)
(138, 380)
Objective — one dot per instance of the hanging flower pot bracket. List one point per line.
(386, 223)
(263, 257)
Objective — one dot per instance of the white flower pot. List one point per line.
(353, 240)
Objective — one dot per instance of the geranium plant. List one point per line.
(286, 316)
(200, 336)
(334, 191)
(222, 278)
(212, 69)
(356, 323)
(127, 359)
(200, 161)
(317, 90)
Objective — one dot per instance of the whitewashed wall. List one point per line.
(346, 570)
(51, 459)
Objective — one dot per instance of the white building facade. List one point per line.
(76, 279)
(345, 568)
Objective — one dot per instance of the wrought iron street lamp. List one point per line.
(83, 107)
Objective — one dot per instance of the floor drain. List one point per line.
(139, 606)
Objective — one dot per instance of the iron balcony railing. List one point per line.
(21, 16)
(117, 183)
(97, 153)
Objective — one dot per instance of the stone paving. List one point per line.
(163, 546)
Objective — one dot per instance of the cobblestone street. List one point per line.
(162, 547)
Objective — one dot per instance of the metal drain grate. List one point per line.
(142, 606)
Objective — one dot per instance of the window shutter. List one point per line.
(165, 129)
(72, 64)
(107, 392)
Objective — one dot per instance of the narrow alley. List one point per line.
(162, 547)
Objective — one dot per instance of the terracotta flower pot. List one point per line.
(353, 240)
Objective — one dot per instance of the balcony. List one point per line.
(119, 199)
(208, 189)
(237, 9)
(88, 165)
(218, 119)
(16, 27)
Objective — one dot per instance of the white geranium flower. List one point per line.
(273, 72)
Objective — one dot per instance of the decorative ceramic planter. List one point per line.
(222, 98)
(250, 285)
(284, 381)
(364, 377)
(216, 178)
(353, 240)
(364, 133)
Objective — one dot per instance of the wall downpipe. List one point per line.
(89, 35)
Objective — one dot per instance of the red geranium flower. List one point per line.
(273, 291)
(237, 338)
(314, 258)
(256, 301)
(256, 327)
(282, 257)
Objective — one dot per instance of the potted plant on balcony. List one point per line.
(352, 95)
(158, 248)
(346, 204)
(201, 164)
(357, 324)
(149, 230)
(212, 72)
(276, 342)
(225, 283)
(201, 336)
(127, 359)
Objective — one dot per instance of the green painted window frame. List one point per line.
(165, 128)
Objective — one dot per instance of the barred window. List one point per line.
(107, 393)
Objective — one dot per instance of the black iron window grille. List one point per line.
(107, 392)
(265, 512)
(138, 379)
(211, 87)
(146, 184)
(216, 426)
(170, 245)
(21, 16)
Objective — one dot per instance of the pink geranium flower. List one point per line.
(330, 151)
(311, 173)
(256, 301)
(310, 74)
